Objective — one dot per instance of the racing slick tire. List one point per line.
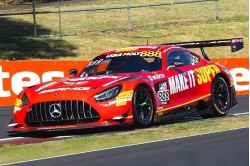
(143, 106)
(220, 97)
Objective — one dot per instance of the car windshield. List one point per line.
(123, 64)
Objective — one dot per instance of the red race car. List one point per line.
(138, 85)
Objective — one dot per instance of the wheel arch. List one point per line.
(233, 98)
(224, 77)
(154, 96)
(212, 105)
(151, 92)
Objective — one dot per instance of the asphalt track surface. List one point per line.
(6, 113)
(228, 148)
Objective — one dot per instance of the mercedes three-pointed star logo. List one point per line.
(55, 110)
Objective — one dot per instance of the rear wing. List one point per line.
(235, 43)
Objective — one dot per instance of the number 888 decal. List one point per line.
(151, 54)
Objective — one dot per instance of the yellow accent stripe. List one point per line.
(183, 103)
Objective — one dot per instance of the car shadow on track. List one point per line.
(96, 130)
(74, 132)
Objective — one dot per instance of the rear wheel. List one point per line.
(220, 97)
(143, 107)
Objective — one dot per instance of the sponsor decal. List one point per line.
(94, 78)
(163, 96)
(162, 86)
(65, 89)
(206, 73)
(65, 82)
(22, 79)
(142, 54)
(163, 93)
(18, 102)
(156, 76)
(178, 83)
(126, 94)
(16, 75)
(122, 98)
(120, 102)
(74, 83)
(151, 54)
(237, 40)
(186, 80)
(240, 78)
(123, 54)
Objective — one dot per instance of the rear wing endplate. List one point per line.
(235, 43)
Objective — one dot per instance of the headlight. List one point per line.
(25, 100)
(108, 93)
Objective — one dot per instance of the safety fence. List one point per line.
(81, 16)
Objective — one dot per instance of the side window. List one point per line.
(194, 59)
(178, 56)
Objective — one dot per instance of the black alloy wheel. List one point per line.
(220, 97)
(143, 106)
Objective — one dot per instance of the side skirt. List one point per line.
(180, 113)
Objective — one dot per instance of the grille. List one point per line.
(58, 113)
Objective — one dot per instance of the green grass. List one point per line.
(88, 143)
(104, 30)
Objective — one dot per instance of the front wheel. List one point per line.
(143, 107)
(220, 97)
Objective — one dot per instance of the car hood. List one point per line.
(74, 88)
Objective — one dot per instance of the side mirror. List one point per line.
(73, 72)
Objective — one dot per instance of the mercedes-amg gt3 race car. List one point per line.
(138, 85)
